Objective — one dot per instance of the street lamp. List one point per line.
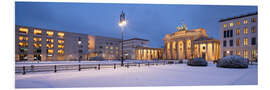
(122, 24)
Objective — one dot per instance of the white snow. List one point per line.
(161, 75)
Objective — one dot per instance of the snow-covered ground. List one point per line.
(161, 75)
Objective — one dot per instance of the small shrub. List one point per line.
(197, 62)
(233, 61)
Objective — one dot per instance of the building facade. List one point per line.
(107, 48)
(188, 44)
(239, 36)
(146, 53)
(37, 44)
(48, 45)
(130, 46)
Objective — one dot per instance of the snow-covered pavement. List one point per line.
(162, 75)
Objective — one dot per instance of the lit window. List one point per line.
(245, 54)
(60, 34)
(23, 44)
(49, 40)
(111, 47)
(60, 41)
(23, 30)
(49, 45)
(60, 46)
(37, 45)
(253, 19)
(237, 31)
(254, 54)
(49, 33)
(50, 51)
(23, 38)
(107, 47)
(245, 21)
(245, 30)
(238, 42)
(224, 25)
(245, 41)
(238, 23)
(238, 53)
(116, 48)
(231, 24)
(37, 32)
(36, 39)
(60, 51)
(253, 29)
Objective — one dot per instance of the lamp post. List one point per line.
(122, 23)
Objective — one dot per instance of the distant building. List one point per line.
(37, 44)
(130, 47)
(147, 53)
(188, 44)
(105, 47)
(239, 36)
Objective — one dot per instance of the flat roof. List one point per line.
(236, 17)
(136, 39)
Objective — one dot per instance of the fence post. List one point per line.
(114, 66)
(98, 66)
(55, 68)
(79, 67)
(32, 68)
(24, 70)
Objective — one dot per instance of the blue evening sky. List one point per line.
(148, 21)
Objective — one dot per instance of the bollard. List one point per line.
(114, 66)
(24, 70)
(79, 67)
(32, 68)
(55, 68)
(98, 66)
(139, 65)
(148, 64)
(127, 65)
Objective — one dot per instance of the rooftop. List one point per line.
(236, 17)
(136, 39)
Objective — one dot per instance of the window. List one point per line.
(245, 41)
(21, 38)
(238, 53)
(37, 32)
(23, 44)
(49, 40)
(224, 43)
(60, 41)
(231, 24)
(23, 30)
(238, 23)
(254, 54)
(37, 45)
(228, 33)
(60, 51)
(253, 19)
(231, 42)
(238, 42)
(60, 46)
(107, 47)
(246, 21)
(253, 41)
(245, 30)
(224, 25)
(111, 47)
(36, 39)
(253, 29)
(237, 31)
(245, 54)
(49, 33)
(49, 45)
(225, 34)
(50, 51)
(60, 34)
